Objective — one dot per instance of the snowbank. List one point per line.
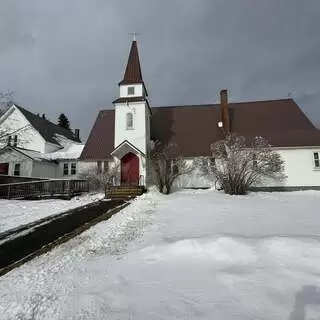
(14, 213)
(191, 255)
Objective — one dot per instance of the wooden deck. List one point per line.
(60, 188)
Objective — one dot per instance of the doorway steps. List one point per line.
(125, 192)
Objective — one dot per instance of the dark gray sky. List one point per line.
(68, 55)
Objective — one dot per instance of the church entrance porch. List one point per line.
(132, 165)
(130, 170)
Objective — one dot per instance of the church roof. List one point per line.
(194, 128)
(100, 142)
(133, 72)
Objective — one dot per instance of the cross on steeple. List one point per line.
(133, 70)
(134, 35)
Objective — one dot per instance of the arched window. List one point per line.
(129, 120)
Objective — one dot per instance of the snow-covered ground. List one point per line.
(14, 213)
(191, 255)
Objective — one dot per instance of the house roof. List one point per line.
(31, 154)
(133, 72)
(47, 129)
(194, 128)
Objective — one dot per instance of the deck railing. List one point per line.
(43, 189)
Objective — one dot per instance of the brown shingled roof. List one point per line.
(133, 72)
(194, 128)
(100, 142)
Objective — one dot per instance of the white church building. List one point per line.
(125, 133)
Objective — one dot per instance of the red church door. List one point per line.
(130, 169)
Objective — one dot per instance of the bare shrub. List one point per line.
(240, 163)
(100, 180)
(168, 165)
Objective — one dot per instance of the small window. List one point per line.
(99, 167)
(73, 168)
(129, 120)
(65, 169)
(255, 161)
(105, 166)
(130, 91)
(316, 160)
(15, 140)
(17, 169)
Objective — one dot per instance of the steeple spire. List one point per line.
(133, 73)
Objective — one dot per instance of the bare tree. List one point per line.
(5, 99)
(240, 163)
(168, 165)
(100, 179)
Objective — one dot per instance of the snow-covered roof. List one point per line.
(73, 151)
(69, 150)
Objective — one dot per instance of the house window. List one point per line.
(15, 140)
(73, 168)
(316, 160)
(130, 91)
(65, 169)
(17, 169)
(129, 120)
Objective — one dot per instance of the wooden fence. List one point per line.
(43, 189)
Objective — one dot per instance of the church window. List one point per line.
(105, 166)
(130, 91)
(99, 167)
(129, 120)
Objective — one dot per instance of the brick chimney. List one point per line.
(224, 111)
(77, 133)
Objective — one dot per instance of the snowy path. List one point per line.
(192, 255)
(14, 213)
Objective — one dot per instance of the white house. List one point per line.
(125, 133)
(31, 146)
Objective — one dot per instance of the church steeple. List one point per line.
(133, 74)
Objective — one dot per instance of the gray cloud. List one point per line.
(69, 55)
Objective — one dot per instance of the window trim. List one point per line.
(129, 117)
(66, 169)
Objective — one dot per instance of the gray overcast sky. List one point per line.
(68, 55)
